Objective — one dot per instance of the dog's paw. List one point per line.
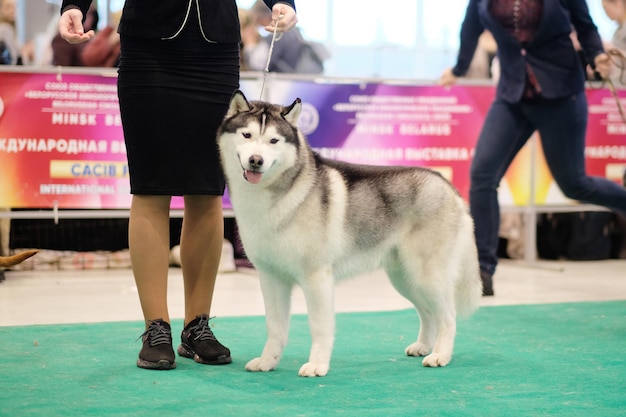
(261, 365)
(437, 359)
(311, 369)
(417, 349)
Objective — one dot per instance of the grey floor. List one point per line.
(48, 297)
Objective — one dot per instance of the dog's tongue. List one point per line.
(253, 177)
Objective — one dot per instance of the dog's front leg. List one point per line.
(277, 299)
(319, 294)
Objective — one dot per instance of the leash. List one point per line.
(266, 71)
(619, 60)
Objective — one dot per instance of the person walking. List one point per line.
(541, 88)
(179, 67)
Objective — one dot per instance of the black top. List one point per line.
(164, 19)
(550, 53)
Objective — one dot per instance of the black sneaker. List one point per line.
(487, 280)
(199, 343)
(157, 351)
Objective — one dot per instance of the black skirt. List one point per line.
(173, 96)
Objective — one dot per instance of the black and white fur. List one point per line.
(308, 221)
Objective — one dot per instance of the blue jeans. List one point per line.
(562, 124)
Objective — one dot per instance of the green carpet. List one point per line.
(539, 360)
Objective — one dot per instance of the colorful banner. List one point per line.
(389, 124)
(61, 141)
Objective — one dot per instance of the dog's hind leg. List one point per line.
(429, 288)
(441, 354)
(435, 340)
(277, 299)
(319, 294)
(427, 329)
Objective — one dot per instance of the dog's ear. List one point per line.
(238, 104)
(292, 113)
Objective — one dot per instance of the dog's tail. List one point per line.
(8, 261)
(468, 292)
(469, 288)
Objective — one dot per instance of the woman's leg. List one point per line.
(201, 243)
(504, 133)
(562, 125)
(149, 242)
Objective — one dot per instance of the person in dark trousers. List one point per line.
(541, 88)
(179, 67)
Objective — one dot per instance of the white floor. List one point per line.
(48, 297)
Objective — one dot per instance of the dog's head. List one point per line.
(259, 140)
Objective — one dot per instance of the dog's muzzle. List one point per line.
(253, 175)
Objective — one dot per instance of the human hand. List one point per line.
(447, 78)
(71, 27)
(603, 65)
(286, 17)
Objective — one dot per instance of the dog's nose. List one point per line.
(255, 161)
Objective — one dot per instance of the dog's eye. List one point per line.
(247, 135)
(273, 141)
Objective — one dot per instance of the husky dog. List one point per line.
(308, 221)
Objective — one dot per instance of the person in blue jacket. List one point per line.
(541, 88)
(179, 67)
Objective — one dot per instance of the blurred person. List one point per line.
(10, 46)
(178, 70)
(541, 88)
(484, 63)
(20, 54)
(616, 11)
(291, 52)
(254, 51)
(104, 49)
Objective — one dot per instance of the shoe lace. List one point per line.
(157, 334)
(202, 331)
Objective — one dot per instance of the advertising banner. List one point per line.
(61, 142)
(62, 145)
(390, 124)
